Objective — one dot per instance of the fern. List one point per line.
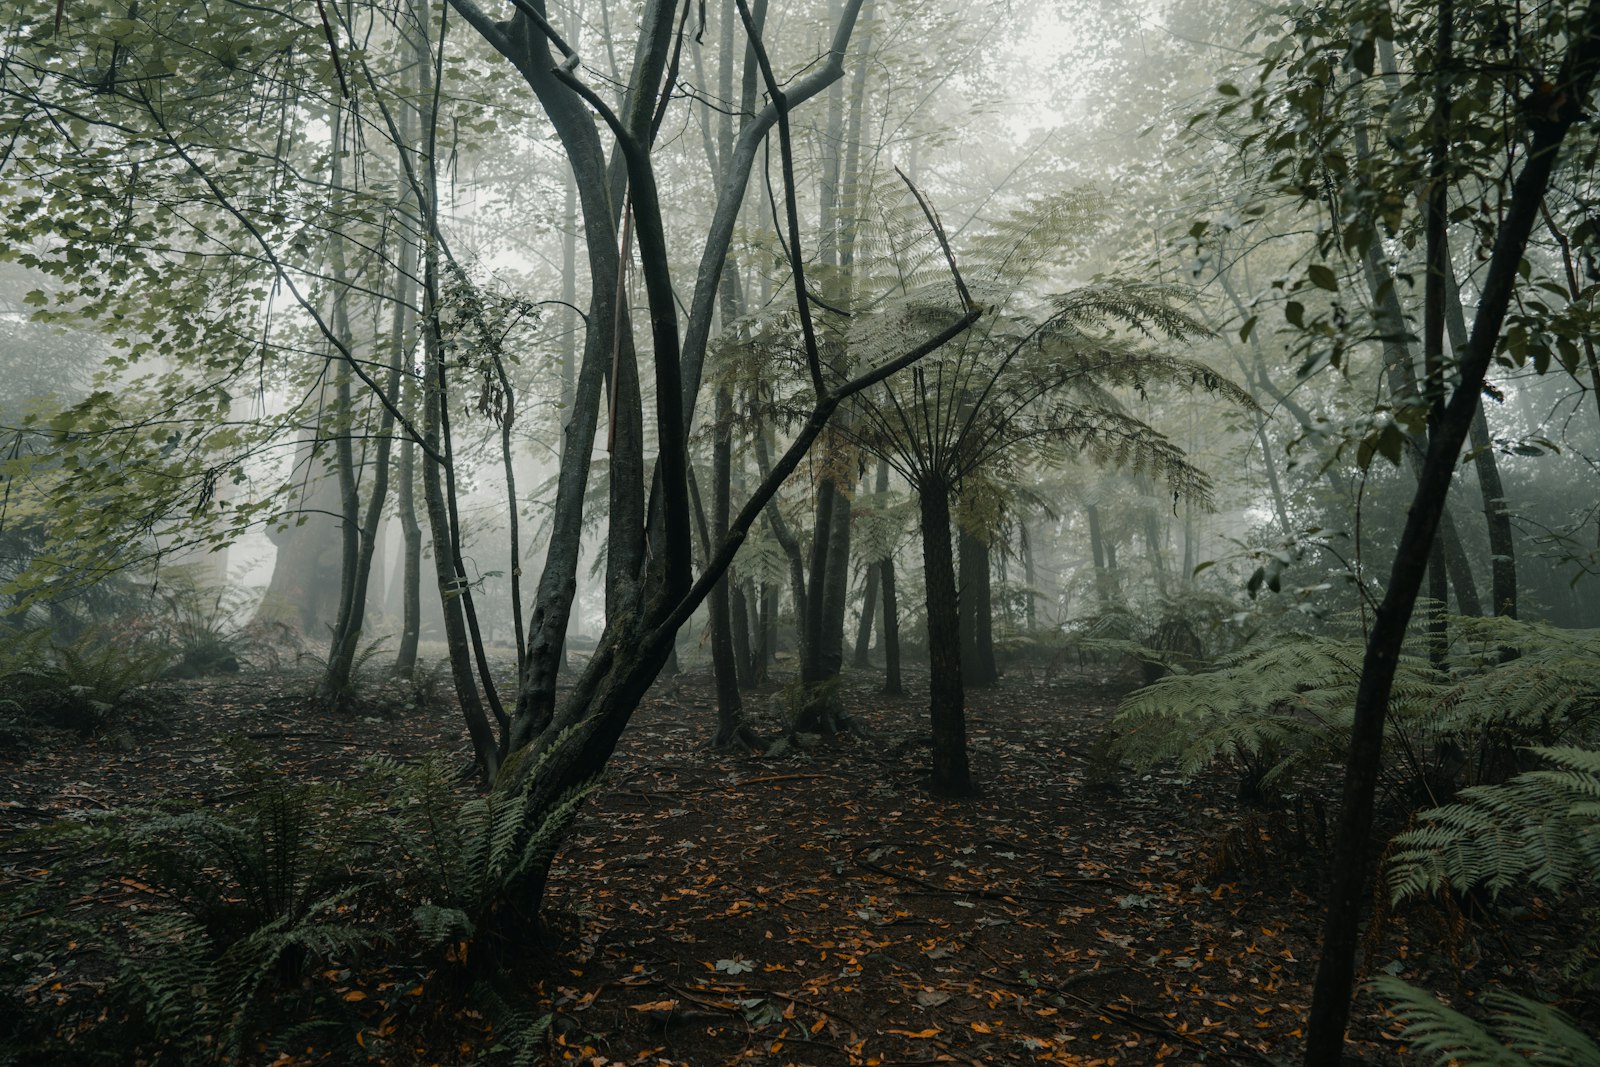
(1549, 692)
(469, 854)
(198, 996)
(1518, 1030)
(1541, 828)
(1267, 710)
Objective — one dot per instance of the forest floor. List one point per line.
(825, 908)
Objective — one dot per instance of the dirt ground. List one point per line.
(825, 908)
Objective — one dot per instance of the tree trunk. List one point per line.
(978, 667)
(946, 697)
(744, 651)
(405, 662)
(869, 605)
(336, 686)
(1105, 579)
(732, 730)
(1497, 517)
(821, 643)
(451, 583)
(892, 684)
(1029, 577)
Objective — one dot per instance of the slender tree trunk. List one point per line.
(892, 684)
(869, 607)
(335, 687)
(732, 730)
(874, 579)
(1105, 579)
(405, 662)
(451, 582)
(743, 644)
(767, 645)
(946, 697)
(1497, 517)
(1029, 576)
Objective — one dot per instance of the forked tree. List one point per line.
(556, 752)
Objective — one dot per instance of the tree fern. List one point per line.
(1541, 828)
(1549, 692)
(1516, 1032)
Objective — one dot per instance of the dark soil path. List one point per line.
(824, 908)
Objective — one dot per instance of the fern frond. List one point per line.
(1518, 1031)
(1541, 828)
(1549, 692)
(1284, 702)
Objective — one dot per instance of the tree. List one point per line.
(1028, 388)
(1494, 135)
(555, 753)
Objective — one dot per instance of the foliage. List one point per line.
(261, 891)
(357, 677)
(74, 685)
(1542, 828)
(205, 626)
(294, 878)
(1263, 711)
(1517, 1031)
(1286, 702)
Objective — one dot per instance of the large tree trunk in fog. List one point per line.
(303, 591)
(946, 697)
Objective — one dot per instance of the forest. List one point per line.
(862, 532)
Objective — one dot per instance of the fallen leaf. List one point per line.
(655, 1005)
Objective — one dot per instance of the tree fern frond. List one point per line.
(1283, 700)
(1540, 828)
(1518, 1030)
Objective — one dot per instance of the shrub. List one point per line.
(258, 898)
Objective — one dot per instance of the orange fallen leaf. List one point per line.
(355, 994)
(931, 1031)
(655, 1005)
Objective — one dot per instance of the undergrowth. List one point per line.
(1506, 728)
(260, 917)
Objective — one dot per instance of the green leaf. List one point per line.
(1323, 277)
